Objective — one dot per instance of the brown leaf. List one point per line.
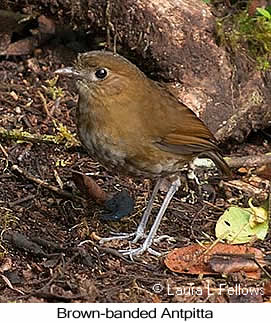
(21, 47)
(232, 263)
(88, 187)
(195, 259)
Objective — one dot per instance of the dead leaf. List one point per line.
(195, 259)
(89, 187)
(225, 263)
(21, 47)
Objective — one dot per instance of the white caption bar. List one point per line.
(158, 312)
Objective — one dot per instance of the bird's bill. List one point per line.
(68, 71)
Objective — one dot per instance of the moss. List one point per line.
(63, 136)
(52, 90)
(253, 33)
(7, 219)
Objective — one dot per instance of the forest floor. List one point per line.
(49, 250)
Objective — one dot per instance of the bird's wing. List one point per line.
(184, 143)
(183, 133)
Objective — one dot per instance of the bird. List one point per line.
(135, 126)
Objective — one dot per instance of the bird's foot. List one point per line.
(133, 252)
(123, 236)
(139, 251)
(139, 234)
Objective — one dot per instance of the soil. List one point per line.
(49, 250)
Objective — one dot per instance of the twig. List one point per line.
(109, 251)
(5, 155)
(4, 151)
(249, 161)
(21, 200)
(42, 183)
(114, 253)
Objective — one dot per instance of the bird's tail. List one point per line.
(218, 160)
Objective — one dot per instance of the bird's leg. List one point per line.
(142, 225)
(148, 242)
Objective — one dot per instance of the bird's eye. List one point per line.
(101, 73)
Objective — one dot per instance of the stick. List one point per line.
(249, 161)
(42, 183)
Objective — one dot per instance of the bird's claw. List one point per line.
(139, 234)
(139, 251)
(117, 237)
(125, 236)
(132, 252)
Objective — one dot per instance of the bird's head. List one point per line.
(104, 73)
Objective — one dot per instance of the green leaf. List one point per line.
(234, 226)
(264, 13)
